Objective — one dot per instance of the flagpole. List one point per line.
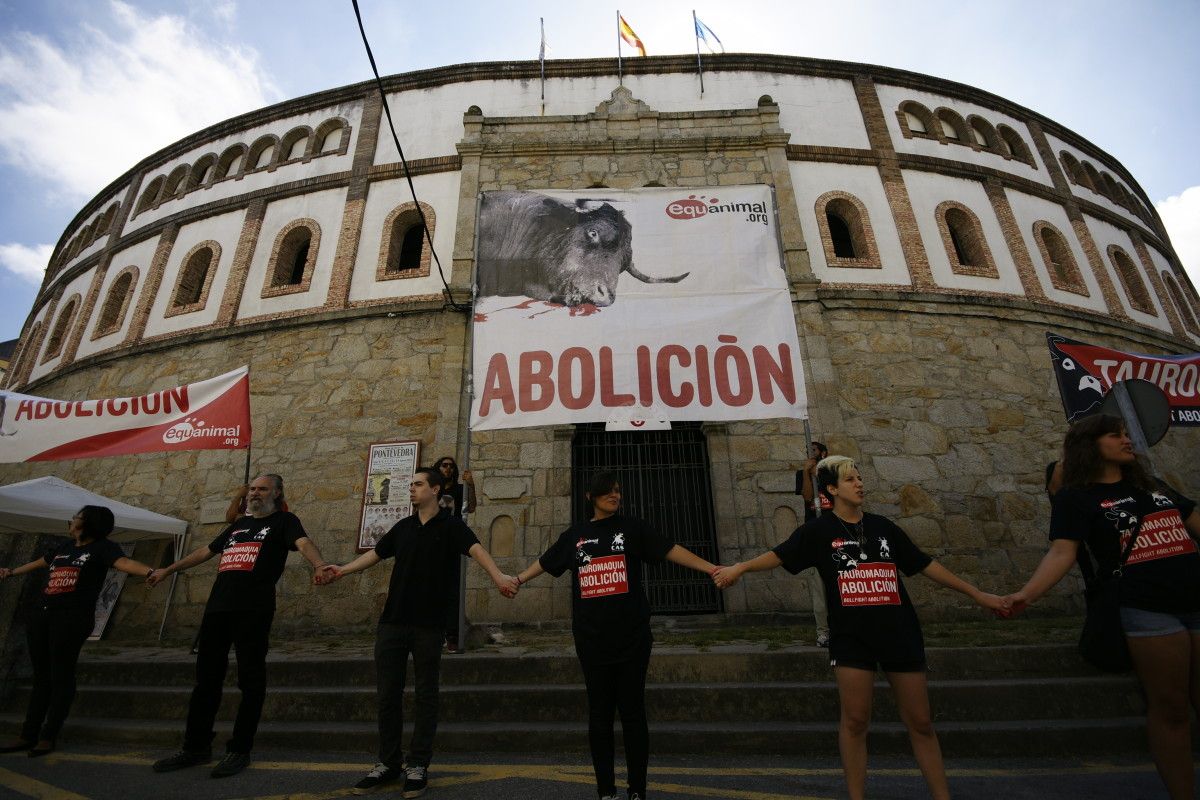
(542, 60)
(696, 34)
(620, 77)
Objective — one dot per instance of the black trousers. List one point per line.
(246, 632)
(612, 688)
(393, 644)
(55, 637)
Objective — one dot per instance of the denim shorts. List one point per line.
(1139, 622)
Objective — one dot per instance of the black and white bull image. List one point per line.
(536, 246)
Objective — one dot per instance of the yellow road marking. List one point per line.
(35, 788)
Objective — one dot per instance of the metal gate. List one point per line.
(665, 481)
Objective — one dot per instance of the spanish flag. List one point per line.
(629, 36)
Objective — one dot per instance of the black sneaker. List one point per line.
(182, 759)
(379, 776)
(231, 764)
(635, 796)
(415, 782)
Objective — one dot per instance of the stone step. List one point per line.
(724, 664)
(809, 701)
(1046, 738)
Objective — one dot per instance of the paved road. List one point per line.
(112, 773)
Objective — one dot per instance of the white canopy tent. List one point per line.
(43, 505)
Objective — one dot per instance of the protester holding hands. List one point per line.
(610, 620)
(426, 547)
(872, 621)
(62, 620)
(1106, 501)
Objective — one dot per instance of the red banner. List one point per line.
(209, 415)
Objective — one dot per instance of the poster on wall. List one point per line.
(1085, 373)
(114, 581)
(390, 468)
(212, 414)
(592, 305)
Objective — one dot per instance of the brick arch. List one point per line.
(982, 129)
(176, 183)
(1131, 279)
(197, 269)
(1058, 258)
(1014, 144)
(62, 328)
(116, 303)
(1071, 167)
(325, 130)
(920, 113)
(951, 118)
(293, 138)
(262, 145)
(232, 163)
(291, 243)
(840, 217)
(24, 361)
(150, 194)
(962, 236)
(404, 223)
(1181, 304)
(201, 172)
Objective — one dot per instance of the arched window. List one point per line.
(953, 127)
(150, 194)
(1131, 279)
(112, 313)
(1185, 311)
(110, 216)
(201, 171)
(332, 136)
(293, 258)
(1111, 190)
(962, 236)
(1093, 178)
(230, 164)
(24, 361)
(62, 328)
(1060, 263)
(983, 133)
(404, 252)
(176, 185)
(262, 153)
(295, 144)
(915, 119)
(845, 229)
(1014, 143)
(196, 273)
(1070, 166)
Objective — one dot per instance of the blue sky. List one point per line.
(89, 87)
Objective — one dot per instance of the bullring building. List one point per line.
(931, 233)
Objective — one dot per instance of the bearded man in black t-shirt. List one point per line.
(240, 609)
(424, 584)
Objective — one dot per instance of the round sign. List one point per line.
(1149, 403)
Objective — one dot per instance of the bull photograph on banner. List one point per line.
(1085, 373)
(649, 301)
(213, 414)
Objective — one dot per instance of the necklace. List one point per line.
(854, 530)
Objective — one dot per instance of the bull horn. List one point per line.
(644, 278)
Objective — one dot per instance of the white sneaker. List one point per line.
(416, 781)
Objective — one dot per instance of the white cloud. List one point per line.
(1181, 215)
(225, 11)
(79, 117)
(27, 263)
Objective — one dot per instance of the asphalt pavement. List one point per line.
(116, 773)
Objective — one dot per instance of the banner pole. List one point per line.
(469, 379)
(696, 36)
(620, 78)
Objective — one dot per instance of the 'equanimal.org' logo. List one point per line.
(192, 428)
(696, 206)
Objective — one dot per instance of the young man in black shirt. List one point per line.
(240, 609)
(426, 547)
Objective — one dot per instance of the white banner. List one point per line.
(597, 306)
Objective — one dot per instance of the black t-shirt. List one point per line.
(77, 573)
(869, 609)
(610, 615)
(1163, 569)
(252, 553)
(424, 581)
(453, 495)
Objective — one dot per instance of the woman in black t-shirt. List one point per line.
(1105, 496)
(62, 620)
(872, 623)
(610, 620)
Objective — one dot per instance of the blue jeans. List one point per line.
(393, 644)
